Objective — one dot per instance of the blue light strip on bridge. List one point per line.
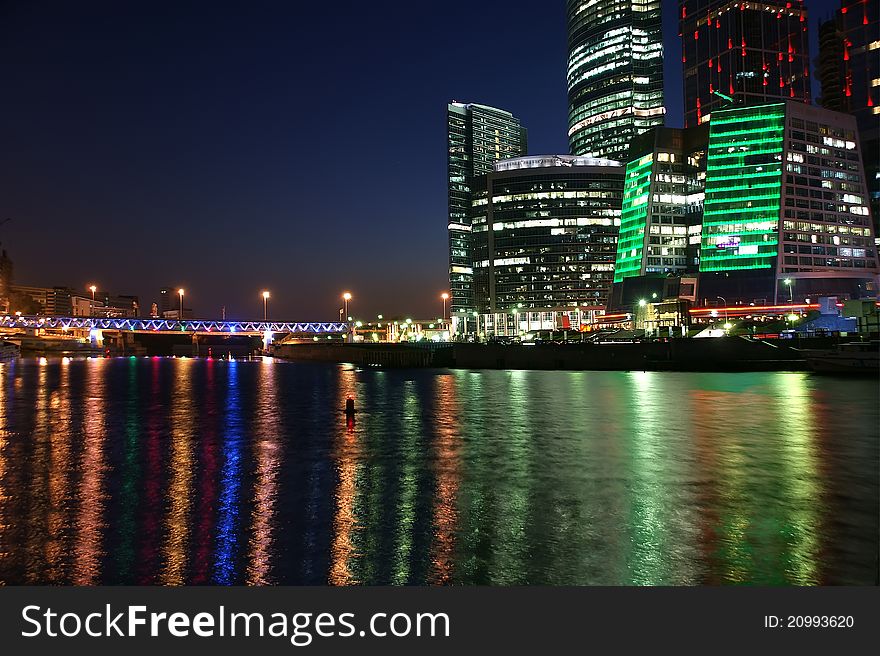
(172, 325)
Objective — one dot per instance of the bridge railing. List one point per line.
(172, 325)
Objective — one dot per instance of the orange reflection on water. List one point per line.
(54, 410)
(725, 519)
(268, 458)
(180, 491)
(4, 441)
(448, 454)
(347, 451)
(90, 515)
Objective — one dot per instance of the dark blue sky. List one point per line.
(232, 147)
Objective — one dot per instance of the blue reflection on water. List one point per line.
(230, 483)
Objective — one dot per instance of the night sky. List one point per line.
(291, 146)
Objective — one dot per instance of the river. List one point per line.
(173, 471)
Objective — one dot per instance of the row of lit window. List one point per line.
(833, 240)
(828, 250)
(828, 262)
(829, 228)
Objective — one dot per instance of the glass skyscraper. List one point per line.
(753, 52)
(786, 206)
(615, 74)
(662, 203)
(849, 70)
(545, 232)
(477, 137)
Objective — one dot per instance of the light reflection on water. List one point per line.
(182, 471)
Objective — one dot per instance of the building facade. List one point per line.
(615, 74)
(749, 51)
(545, 233)
(477, 137)
(662, 203)
(51, 301)
(849, 72)
(786, 206)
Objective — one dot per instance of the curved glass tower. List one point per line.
(615, 74)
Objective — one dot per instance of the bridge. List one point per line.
(190, 326)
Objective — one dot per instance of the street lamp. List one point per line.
(92, 289)
(180, 294)
(790, 282)
(723, 300)
(346, 297)
(265, 306)
(444, 296)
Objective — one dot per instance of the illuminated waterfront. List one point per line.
(182, 471)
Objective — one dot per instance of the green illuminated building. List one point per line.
(743, 189)
(662, 204)
(786, 211)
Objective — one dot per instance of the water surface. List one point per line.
(183, 471)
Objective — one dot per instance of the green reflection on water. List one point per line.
(800, 474)
(130, 475)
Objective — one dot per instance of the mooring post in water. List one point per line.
(349, 414)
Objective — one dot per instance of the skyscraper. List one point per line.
(545, 232)
(165, 295)
(662, 203)
(786, 206)
(849, 70)
(477, 137)
(753, 52)
(615, 74)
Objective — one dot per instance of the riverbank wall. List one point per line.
(717, 354)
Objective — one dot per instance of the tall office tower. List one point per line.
(662, 203)
(615, 74)
(165, 296)
(545, 233)
(785, 215)
(849, 71)
(753, 52)
(478, 136)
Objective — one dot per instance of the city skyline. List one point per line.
(106, 174)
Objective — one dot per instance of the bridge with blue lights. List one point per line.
(190, 326)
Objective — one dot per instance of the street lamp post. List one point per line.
(444, 296)
(790, 283)
(346, 297)
(180, 295)
(93, 289)
(723, 300)
(265, 306)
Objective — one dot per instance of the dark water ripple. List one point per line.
(181, 471)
